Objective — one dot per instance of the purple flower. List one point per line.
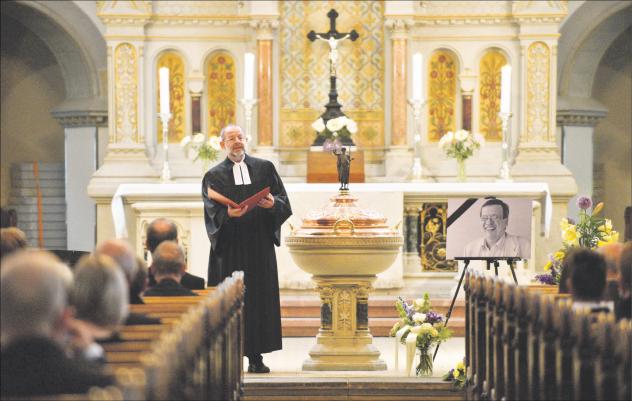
(432, 317)
(584, 202)
(545, 279)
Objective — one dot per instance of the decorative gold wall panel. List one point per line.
(489, 123)
(432, 225)
(442, 74)
(221, 91)
(264, 92)
(304, 69)
(174, 62)
(126, 93)
(538, 76)
(398, 107)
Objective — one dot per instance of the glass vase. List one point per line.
(460, 170)
(424, 368)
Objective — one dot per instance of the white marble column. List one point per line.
(81, 159)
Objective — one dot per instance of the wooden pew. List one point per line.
(547, 350)
(564, 344)
(498, 390)
(521, 353)
(509, 343)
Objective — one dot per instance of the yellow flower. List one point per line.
(460, 366)
(548, 265)
(609, 239)
(559, 255)
(564, 224)
(597, 208)
(434, 333)
(569, 236)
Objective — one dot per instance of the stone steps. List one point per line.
(308, 388)
(300, 315)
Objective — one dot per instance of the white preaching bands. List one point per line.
(240, 172)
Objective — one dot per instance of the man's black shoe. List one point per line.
(258, 368)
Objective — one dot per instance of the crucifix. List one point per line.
(332, 38)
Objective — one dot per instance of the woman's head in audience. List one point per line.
(100, 294)
(34, 289)
(11, 240)
(586, 274)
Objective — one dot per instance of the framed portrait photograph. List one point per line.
(489, 227)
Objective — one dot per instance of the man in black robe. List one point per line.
(243, 239)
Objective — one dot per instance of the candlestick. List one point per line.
(416, 170)
(417, 76)
(164, 90)
(505, 89)
(248, 105)
(504, 174)
(249, 68)
(166, 172)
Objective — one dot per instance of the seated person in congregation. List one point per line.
(11, 239)
(496, 242)
(161, 230)
(34, 322)
(124, 256)
(100, 298)
(623, 306)
(612, 254)
(168, 265)
(587, 280)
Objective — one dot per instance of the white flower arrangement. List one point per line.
(339, 127)
(202, 148)
(460, 144)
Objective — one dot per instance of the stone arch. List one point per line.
(585, 37)
(80, 55)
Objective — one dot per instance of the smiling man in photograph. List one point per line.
(496, 242)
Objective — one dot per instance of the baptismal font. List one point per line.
(343, 247)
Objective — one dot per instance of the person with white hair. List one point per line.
(100, 298)
(34, 322)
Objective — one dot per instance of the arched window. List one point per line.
(442, 72)
(173, 61)
(489, 124)
(221, 91)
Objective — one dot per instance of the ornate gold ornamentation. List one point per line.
(441, 94)
(538, 81)
(304, 77)
(126, 93)
(433, 238)
(490, 125)
(264, 92)
(175, 63)
(399, 110)
(221, 91)
(345, 311)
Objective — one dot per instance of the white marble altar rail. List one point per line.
(441, 191)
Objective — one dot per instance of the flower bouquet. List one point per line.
(460, 146)
(456, 375)
(340, 128)
(590, 231)
(201, 148)
(419, 320)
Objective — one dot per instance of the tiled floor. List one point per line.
(289, 360)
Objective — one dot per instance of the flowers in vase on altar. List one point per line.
(418, 319)
(591, 231)
(460, 145)
(456, 375)
(205, 149)
(340, 128)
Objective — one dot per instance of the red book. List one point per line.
(251, 202)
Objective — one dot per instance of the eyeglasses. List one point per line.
(493, 218)
(236, 138)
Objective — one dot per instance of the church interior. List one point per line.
(377, 116)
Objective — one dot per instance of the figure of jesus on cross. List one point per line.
(332, 38)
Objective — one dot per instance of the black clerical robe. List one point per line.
(247, 243)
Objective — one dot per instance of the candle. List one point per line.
(505, 89)
(164, 90)
(249, 68)
(417, 75)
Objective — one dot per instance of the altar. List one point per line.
(134, 206)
